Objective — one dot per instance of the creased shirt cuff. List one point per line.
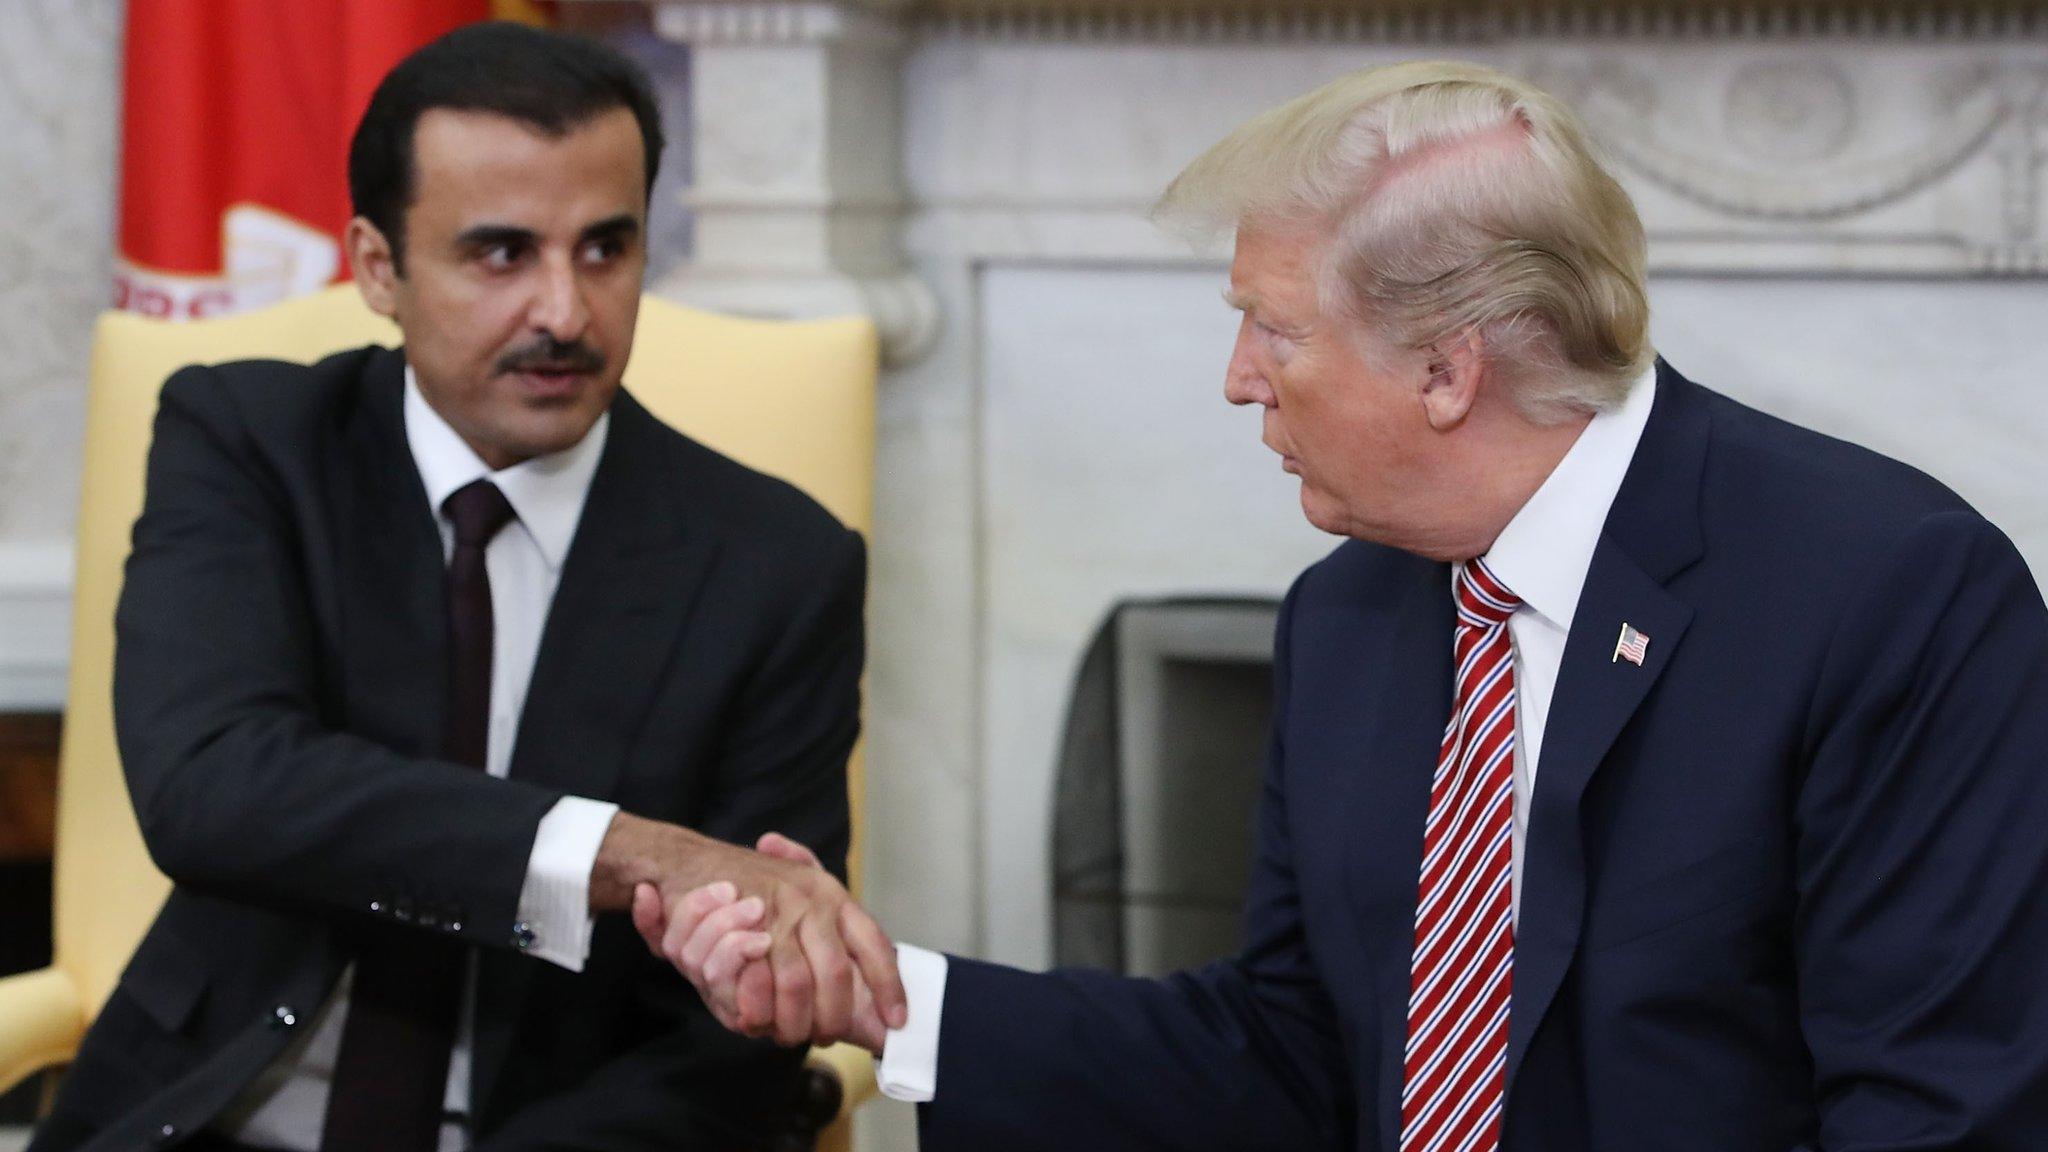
(910, 1055)
(554, 904)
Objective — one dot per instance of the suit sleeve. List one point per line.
(1241, 1054)
(782, 767)
(240, 785)
(1921, 931)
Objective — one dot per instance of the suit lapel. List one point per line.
(631, 573)
(393, 612)
(627, 585)
(1652, 532)
(1596, 695)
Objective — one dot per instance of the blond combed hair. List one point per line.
(1456, 200)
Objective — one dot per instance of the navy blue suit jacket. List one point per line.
(1786, 883)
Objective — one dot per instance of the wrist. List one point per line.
(634, 851)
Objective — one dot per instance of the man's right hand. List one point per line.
(815, 952)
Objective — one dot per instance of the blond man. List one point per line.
(1646, 773)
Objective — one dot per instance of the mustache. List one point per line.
(550, 355)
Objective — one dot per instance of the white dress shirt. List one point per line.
(1543, 556)
(286, 1106)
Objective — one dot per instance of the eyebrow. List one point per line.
(621, 227)
(486, 235)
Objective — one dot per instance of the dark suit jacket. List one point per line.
(1786, 883)
(279, 684)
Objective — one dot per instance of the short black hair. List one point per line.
(554, 81)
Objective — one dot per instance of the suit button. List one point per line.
(166, 1134)
(377, 907)
(523, 936)
(283, 1017)
(455, 926)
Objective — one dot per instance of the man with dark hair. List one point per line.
(429, 658)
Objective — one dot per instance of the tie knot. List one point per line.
(1483, 601)
(477, 510)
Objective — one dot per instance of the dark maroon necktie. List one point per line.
(391, 1078)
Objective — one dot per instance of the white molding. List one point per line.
(1053, 21)
(35, 625)
(1809, 157)
(743, 22)
(798, 195)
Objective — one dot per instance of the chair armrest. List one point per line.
(854, 1068)
(42, 1019)
(841, 1077)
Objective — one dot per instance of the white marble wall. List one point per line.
(59, 118)
(59, 125)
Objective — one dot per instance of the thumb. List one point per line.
(648, 916)
(866, 1027)
(783, 848)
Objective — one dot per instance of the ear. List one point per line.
(1452, 387)
(375, 267)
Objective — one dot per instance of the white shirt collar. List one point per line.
(546, 492)
(1544, 553)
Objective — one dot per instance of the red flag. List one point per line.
(234, 150)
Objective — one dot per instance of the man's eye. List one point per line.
(601, 251)
(498, 257)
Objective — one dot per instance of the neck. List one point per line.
(1489, 485)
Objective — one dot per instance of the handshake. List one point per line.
(771, 940)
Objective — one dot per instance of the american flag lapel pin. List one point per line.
(1630, 646)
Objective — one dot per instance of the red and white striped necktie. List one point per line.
(1461, 974)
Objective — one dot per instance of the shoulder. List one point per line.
(760, 520)
(1806, 499)
(275, 397)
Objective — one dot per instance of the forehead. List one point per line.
(1276, 265)
(469, 163)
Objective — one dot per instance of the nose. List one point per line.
(1244, 380)
(559, 308)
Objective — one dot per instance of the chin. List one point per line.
(1320, 512)
(531, 441)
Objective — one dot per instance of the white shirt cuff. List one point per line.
(910, 1054)
(554, 904)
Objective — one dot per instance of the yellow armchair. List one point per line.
(792, 399)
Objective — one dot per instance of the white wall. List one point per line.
(59, 124)
(1950, 376)
(59, 112)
